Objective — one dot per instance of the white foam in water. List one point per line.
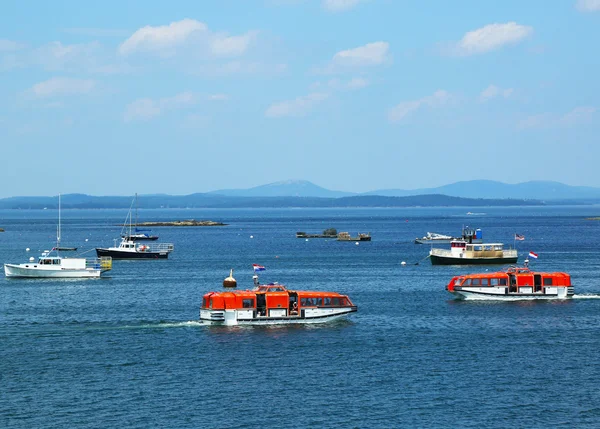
(587, 296)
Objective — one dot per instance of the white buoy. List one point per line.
(27, 250)
(306, 239)
(86, 239)
(402, 263)
(31, 259)
(356, 243)
(251, 236)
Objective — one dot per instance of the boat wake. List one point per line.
(587, 296)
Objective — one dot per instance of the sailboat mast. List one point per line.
(58, 230)
(136, 210)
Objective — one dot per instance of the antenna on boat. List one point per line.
(255, 278)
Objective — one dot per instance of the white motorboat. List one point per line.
(51, 265)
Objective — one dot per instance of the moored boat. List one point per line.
(53, 265)
(513, 283)
(463, 253)
(468, 234)
(130, 248)
(271, 304)
(345, 236)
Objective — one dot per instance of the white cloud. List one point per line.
(218, 97)
(370, 54)
(150, 38)
(147, 108)
(403, 109)
(189, 35)
(62, 86)
(578, 116)
(341, 85)
(588, 5)
(10, 45)
(232, 45)
(297, 107)
(490, 37)
(493, 91)
(339, 5)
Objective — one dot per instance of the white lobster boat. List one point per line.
(273, 304)
(56, 266)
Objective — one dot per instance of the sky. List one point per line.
(119, 97)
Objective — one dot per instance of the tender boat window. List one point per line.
(547, 281)
(248, 303)
(476, 282)
(477, 248)
(327, 301)
(204, 303)
(484, 282)
(457, 281)
(467, 282)
(498, 247)
(503, 282)
(335, 302)
(318, 301)
(493, 282)
(488, 247)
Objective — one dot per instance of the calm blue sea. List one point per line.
(127, 351)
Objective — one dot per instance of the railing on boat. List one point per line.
(156, 247)
(103, 263)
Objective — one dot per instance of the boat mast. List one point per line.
(58, 229)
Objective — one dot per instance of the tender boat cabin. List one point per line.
(274, 302)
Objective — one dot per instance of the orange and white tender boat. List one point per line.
(513, 283)
(273, 304)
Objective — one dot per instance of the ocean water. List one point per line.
(127, 350)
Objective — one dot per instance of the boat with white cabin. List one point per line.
(468, 234)
(130, 248)
(464, 253)
(52, 265)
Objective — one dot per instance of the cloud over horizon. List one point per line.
(489, 38)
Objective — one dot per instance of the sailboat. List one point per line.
(139, 234)
(129, 248)
(51, 265)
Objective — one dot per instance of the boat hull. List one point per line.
(22, 271)
(118, 254)
(249, 317)
(449, 260)
(502, 293)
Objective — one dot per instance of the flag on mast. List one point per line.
(533, 255)
(258, 268)
(519, 237)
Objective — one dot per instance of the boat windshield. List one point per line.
(49, 261)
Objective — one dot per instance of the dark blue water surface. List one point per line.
(127, 351)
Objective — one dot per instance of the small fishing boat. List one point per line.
(53, 265)
(468, 234)
(271, 304)
(513, 283)
(129, 248)
(138, 234)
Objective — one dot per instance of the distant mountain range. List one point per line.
(300, 193)
(533, 190)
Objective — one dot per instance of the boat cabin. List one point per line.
(480, 250)
(273, 300)
(517, 280)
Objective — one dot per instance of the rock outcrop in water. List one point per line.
(189, 222)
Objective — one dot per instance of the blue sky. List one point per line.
(113, 98)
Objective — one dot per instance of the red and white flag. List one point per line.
(533, 255)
